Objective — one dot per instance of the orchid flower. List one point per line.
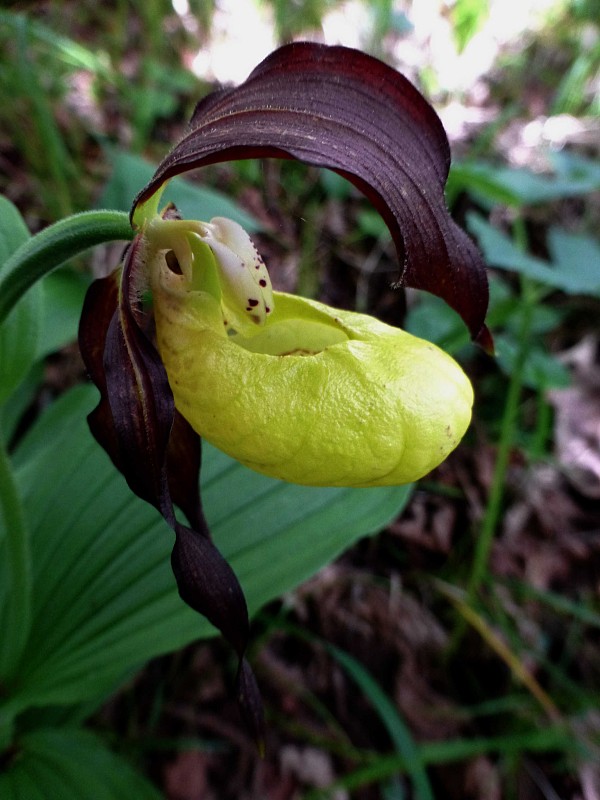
(288, 386)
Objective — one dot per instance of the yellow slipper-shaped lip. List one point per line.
(317, 396)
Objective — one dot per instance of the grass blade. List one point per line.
(398, 731)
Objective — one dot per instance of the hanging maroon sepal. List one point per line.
(159, 455)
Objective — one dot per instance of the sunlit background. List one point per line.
(457, 41)
(528, 70)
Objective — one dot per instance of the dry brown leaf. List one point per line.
(482, 780)
(311, 767)
(429, 714)
(186, 777)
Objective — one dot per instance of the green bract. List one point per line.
(309, 394)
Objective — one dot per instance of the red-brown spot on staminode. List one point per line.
(267, 310)
(252, 303)
(262, 282)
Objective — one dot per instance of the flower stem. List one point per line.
(53, 246)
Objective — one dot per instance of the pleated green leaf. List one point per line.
(69, 763)
(20, 331)
(63, 292)
(105, 599)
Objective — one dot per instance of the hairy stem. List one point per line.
(53, 246)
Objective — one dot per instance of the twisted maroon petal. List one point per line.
(339, 108)
(159, 455)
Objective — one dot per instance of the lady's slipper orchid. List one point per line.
(288, 386)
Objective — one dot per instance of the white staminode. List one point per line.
(244, 284)
(244, 278)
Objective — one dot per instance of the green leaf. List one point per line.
(577, 170)
(480, 181)
(20, 331)
(468, 16)
(131, 172)
(578, 259)
(500, 251)
(575, 271)
(541, 369)
(519, 187)
(62, 297)
(15, 577)
(370, 223)
(13, 230)
(45, 319)
(432, 319)
(11, 412)
(104, 597)
(70, 763)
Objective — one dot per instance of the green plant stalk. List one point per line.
(16, 607)
(543, 427)
(507, 434)
(53, 246)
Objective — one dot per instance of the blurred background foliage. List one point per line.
(456, 654)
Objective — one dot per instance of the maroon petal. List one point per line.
(139, 395)
(159, 455)
(99, 308)
(340, 108)
(183, 469)
(207, 584)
